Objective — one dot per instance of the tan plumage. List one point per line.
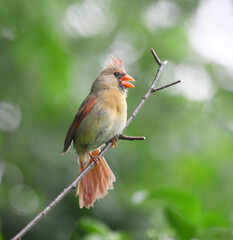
(101, 116)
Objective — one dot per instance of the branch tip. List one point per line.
(156, 57)
(165, 86)
(131, 138)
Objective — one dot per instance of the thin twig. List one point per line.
(130, 138)
(166, 86)
(101, 154)
(157, 58)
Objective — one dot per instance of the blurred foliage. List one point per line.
(175, 185)
(88, 228)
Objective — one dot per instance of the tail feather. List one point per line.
(85, 188)
(96, 183)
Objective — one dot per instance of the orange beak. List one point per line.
(125, 81)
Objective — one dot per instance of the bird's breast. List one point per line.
(106, 119)
(115, 103)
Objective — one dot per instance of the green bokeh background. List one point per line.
(175, 185)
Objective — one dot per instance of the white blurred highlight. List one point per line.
(86, 19)
(23, 199)
(161, 14)
(139, 197)
(230, 126)
(126, 46)
(211, 33)
(8, 34)
(10, 117)
(196, 83)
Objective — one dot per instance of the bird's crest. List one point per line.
(116, 63)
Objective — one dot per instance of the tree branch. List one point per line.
(101, 154)
(165, 86)
(130, 138)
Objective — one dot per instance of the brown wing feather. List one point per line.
(82, 112)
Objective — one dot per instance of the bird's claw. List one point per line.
(114, 142)
(95, 158)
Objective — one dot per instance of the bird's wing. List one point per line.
(84, 109)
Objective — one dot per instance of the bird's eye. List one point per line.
(116, 74)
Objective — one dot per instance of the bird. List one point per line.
(101, 116)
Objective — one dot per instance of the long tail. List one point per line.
(96, 183)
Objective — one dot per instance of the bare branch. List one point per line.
(101, 154)
(165, 86)
(130, 138)
(156, 57)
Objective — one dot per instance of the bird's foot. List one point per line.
(114, 142)
(95, 158)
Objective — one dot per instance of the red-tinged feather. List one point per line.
(96, 183)
(83, 111)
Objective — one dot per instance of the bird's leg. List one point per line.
(95, 158)
(114, 142)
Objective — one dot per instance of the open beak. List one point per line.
(125, 81)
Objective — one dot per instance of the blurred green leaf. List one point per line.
(213, 219)
(1, 237)
(89, 225)
(181, 209)
(182, 226)
(91, 229)
(186, 204)
(219, 233)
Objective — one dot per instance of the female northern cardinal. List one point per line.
(101, 116)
